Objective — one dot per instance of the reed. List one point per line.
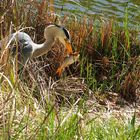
(38, 105)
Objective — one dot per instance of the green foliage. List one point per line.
(109, 61)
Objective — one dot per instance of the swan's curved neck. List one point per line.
(40, 49)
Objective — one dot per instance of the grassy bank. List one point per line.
(85, 103)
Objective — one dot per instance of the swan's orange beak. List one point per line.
(68, 47)
(59, 71)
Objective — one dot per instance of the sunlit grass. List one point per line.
(35, 105)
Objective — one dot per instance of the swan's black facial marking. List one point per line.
(66, 32)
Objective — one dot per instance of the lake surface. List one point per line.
(102, 8)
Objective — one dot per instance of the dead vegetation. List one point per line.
(104, 84)
(107, 63)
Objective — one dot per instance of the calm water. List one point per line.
(103, 8)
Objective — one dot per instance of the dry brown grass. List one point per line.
(37, 103)
(103, 49)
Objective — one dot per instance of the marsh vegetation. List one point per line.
(97, 97)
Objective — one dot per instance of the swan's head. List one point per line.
(54, 32)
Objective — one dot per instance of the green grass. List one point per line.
(37, 106)
(23, 117)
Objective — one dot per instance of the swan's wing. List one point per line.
(20, 43)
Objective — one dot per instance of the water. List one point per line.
(102, 8)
